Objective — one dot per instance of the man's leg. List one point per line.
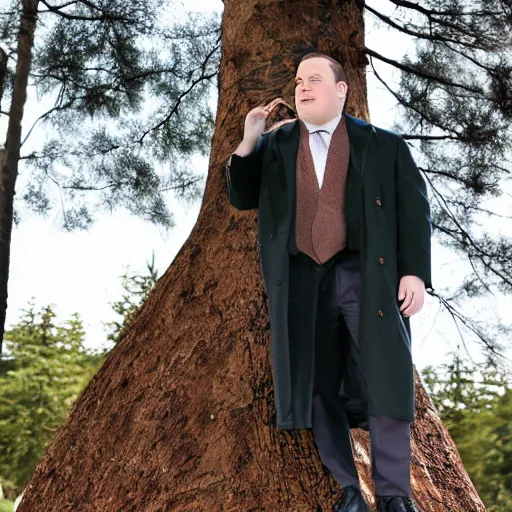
(330, 425)
(389, 437)
(391, 455)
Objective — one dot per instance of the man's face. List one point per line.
(315, 79)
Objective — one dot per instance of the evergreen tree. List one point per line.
(475, 404)
(103, 65)
(137, 288)
(46, 370)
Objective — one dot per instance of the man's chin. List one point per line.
(306, 116)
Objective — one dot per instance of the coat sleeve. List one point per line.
(243, 176)
(413, 217)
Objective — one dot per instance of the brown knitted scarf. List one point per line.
(320, 228)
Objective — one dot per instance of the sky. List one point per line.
(80, 271)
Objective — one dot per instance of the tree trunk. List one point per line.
(11, 155)
(3, 73)
(181, 415)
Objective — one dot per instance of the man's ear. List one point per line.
(342, 88)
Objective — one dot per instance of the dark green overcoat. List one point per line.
(394, 218)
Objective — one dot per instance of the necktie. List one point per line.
(319, 154)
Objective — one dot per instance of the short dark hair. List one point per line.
(337, 68)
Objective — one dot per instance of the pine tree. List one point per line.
(90, 57)
(46, 370)
(475, 404)
(136, 287)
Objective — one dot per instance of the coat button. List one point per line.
(378, 201)
(271, 235)
(381, 261)
(381, 314)
(265, 192)
(278, 282)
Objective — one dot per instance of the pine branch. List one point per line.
(62, 6)
(410, 106)
(110, 185)
(182, 186)
(468, 57)
(457, 316)
(182, 95)
(102, 17)
(44, 116)
(126, 79)
(422, 35)
(455, 202)
(410, 136)
(431, 12)
(422, 74)
(443, 173)
(464, 238)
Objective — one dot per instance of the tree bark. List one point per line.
(181, 415)
(11, 154)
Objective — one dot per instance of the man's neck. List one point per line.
(329, 125)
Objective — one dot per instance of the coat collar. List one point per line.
(287, 139)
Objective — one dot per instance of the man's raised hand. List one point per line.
(267, 118)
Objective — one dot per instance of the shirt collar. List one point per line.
(330, 126)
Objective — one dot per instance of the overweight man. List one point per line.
(344, 235)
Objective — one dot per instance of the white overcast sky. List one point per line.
(80, 272)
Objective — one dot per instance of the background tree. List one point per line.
(475, 404)
(190, 381)
(47, 368)
(11, 152)
(137, 287)
(122, 123)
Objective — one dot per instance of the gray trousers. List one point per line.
(324, 299)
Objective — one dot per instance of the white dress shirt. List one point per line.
(320, 157)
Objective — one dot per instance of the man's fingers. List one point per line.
(275, 103)
(416, 304)
(407, 300)
(270, 106)
(278, 124)
(412, 308)
(414, 298)
(407, 297)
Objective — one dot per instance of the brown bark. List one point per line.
(11, 155)
(181, 415)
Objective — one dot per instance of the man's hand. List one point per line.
(279, 114)
(266, 118)
(412, 289)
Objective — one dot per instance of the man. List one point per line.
(344, 240)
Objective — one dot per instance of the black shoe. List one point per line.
(396, 504)
(351, 500)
